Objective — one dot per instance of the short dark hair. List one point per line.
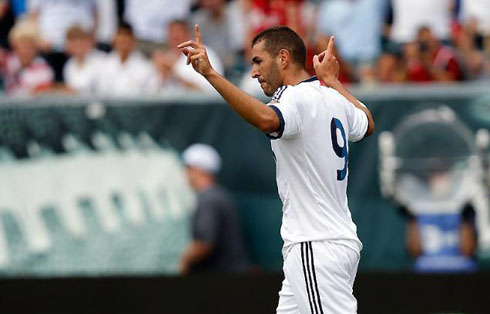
(282, 37)
(125, 27)
(181, 22)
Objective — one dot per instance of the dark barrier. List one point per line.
(221, 294)
(248, 168)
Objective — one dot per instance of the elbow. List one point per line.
(371, 128)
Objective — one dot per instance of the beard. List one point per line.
(273, 82)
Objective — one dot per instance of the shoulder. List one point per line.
(98, 54)
(216, 196)
(279, 93)
(293, 93)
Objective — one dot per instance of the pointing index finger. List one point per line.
(329, 51)
(197, 31)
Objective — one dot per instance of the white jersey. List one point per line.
(311, 153)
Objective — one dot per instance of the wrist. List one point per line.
(335, 83)
(210, 74)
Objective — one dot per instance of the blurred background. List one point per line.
(100, 210)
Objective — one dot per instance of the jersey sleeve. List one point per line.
(358, 122)
(287, 108)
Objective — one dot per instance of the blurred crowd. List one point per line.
(128, 47)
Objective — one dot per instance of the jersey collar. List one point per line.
(311, 79)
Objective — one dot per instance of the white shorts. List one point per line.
(319, 277)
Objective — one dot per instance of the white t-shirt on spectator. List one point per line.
(131, 78)
(410, 15)
(187, 73)
(57, 16)
(84, 77)
(479, 10)
(149, 18)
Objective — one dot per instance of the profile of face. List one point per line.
(124, 41)
(25, 48)
(265, 68)
(79, 47)
(197, 177)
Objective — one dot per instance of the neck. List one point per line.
(296, 77)
(80, 59)
(124, 56)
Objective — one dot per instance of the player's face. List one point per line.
(265, 69)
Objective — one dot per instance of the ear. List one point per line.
(284, 58)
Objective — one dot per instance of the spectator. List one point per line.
(410, 15)
(298, 15)
(217, 243)
(179, 32)
(54, 18)
(390, 68)
(222, 26)
(417, 70)
(469, 44)
(150, 19)
(346, 74)
(82, 70)
(165, 80)
(440, 59)
(126, 71)
(24, 71)
(357, 27)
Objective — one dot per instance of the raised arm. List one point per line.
(327, 69)
(249, 108)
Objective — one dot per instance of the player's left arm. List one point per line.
(249, 108)
(327, 69)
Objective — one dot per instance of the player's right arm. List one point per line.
(249, 108)
(327, 69)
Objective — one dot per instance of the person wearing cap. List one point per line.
(217, 242)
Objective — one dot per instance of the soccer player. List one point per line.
(310, 121)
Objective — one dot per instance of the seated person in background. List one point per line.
(165, 80)
(217, 242)
(179, 32)
(440, 59)
(54, 18)
(23, 70)
(126, 72)
(83, 68)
